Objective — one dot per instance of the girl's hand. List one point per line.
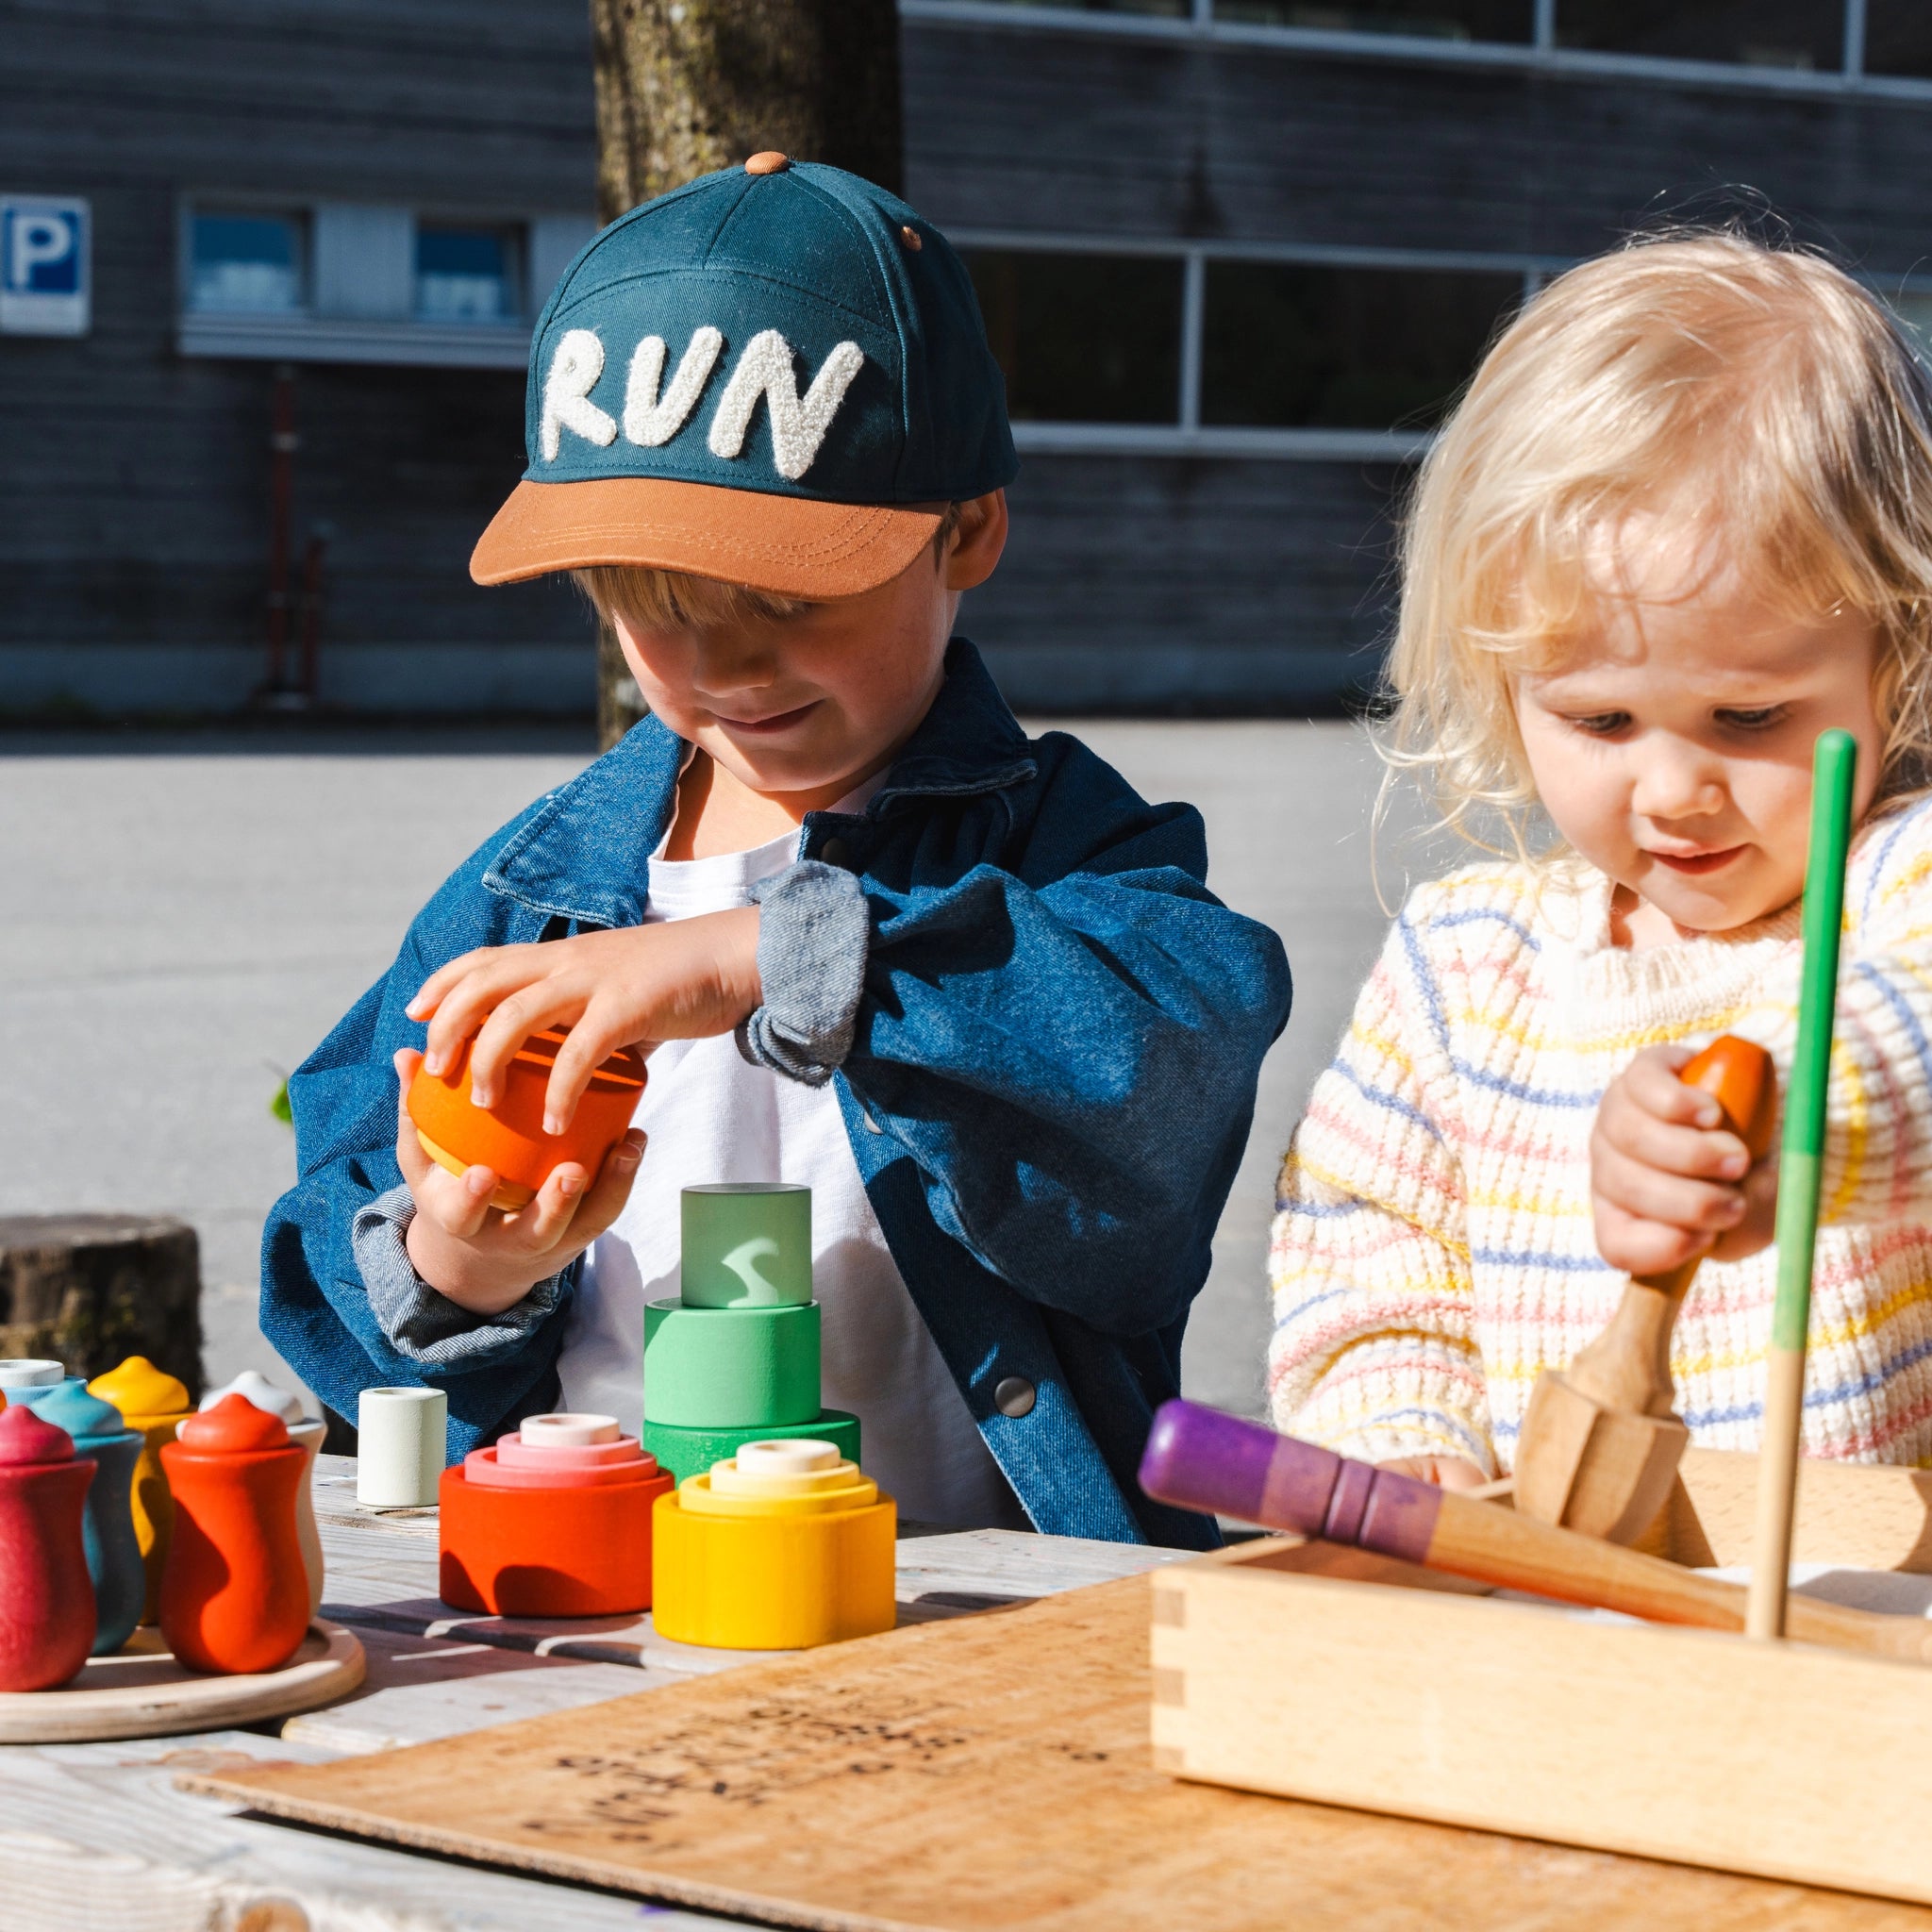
(1668, 1181)
(680, 979)
(1445, 1472)
(482, 1258)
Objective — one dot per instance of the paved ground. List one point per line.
(186, 918)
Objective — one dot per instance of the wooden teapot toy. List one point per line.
(46, 1598)
(508, 1136)
(306, 1433)
(235, 1593)
(551, 1520)
(113, 1550)
(154, 1404)
(783, 1546)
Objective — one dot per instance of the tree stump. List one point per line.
(91, 1290)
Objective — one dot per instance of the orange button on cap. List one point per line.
(768, 162)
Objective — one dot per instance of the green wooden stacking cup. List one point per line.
(747, 1244)
(731, 1368)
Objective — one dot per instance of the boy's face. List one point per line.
(1671, 745)
(817, 702)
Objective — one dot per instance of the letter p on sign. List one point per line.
(44, 271)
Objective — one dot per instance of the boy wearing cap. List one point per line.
(965, 985)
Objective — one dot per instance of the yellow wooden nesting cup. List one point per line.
(155, 1403)
(783, 1546)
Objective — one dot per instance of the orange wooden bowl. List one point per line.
(510, 1137)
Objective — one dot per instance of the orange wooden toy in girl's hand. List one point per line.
(1600, 1441)
(508, 1136)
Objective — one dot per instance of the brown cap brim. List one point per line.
(790, 545)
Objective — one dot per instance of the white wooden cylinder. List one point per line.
(402, 1439)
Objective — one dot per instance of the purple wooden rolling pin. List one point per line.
(1198, 1458)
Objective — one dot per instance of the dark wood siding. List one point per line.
(1084, 132)
(133, 480)
(1188, 584)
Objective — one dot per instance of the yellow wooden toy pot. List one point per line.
(783, 1546)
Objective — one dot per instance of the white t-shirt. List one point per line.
(711, 1116)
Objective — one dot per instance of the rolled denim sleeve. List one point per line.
(813, 934)
(424, 1326)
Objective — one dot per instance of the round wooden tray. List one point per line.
(141, 1691)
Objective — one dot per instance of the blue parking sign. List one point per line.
(45, 268)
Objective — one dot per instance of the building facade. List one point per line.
(1236, 256)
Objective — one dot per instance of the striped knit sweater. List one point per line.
(1433, 1250)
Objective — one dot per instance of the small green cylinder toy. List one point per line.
(746, 1244)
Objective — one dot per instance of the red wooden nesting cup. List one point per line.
(528, 1531)
(235, 1593)
(46, 1598)
(508, 1136)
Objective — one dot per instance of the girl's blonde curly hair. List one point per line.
(1760, 391)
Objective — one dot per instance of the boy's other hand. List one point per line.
(482, 1258)
(1668, 1180)
(634, 986)
(1445, 1472)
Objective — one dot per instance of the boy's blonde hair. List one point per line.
(673, 600)
(1762, 390)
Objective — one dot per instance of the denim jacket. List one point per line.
(1045, 1033)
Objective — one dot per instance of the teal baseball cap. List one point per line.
(774, 375)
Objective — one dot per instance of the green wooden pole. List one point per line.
(1801, 1167)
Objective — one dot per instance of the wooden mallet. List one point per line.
(1601, 1441)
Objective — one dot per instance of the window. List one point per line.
(1806, 35)
(1293, 347)
(467, 274)
(1084, 338)
(244, 261)
(1434, 20)
(1898, 38)
(1914, 308)
(1171, 10)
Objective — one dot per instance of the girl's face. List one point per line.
(1671, 745)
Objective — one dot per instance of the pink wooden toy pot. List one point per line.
(552, 1521)
(46, 1599)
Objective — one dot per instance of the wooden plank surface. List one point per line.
(97, 1837)
(419, 1688)
(989, 1773)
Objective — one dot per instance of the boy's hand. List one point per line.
(680, 979)
(482, 1258)
(1668, 1181)
(1445, 1472)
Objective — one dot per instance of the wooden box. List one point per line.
(1320, 1672)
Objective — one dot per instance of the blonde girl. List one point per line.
(1681, 524)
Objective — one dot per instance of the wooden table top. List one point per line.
(97, 1833)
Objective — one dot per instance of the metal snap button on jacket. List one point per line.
(1014, 1396)
(835, 852)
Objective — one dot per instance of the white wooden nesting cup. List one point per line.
(402, 1442)
(30, 1371)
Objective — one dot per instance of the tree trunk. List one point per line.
(685, 87)
(91, 1290)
